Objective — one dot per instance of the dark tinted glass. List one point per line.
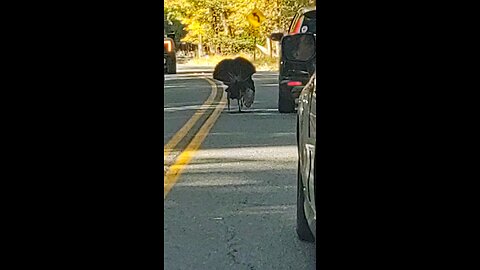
(310, 22)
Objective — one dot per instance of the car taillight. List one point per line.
(294, 83)
(298, 25)
(167, 45)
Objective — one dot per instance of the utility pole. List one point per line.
(254, 36)
(254, 44)
(200, 47)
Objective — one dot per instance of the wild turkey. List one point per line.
(237, 75)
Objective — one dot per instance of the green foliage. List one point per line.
(222, 26)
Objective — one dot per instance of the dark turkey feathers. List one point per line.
(223, 70)
(237, 75)
(231, 71)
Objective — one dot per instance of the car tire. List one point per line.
(303, 230)
(286, 103)
(171, 66)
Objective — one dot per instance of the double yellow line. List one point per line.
(174, 171)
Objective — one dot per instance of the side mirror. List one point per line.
(299, 47)
(276, 36)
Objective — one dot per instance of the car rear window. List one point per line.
(307, 23)
(310, 21)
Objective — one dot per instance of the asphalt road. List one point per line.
(233, 206)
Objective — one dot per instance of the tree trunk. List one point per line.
(224, 22)
(200, 46)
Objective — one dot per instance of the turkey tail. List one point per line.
(231, 71)
(224, 71)
(244, 68)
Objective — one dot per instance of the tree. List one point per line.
(222, 24)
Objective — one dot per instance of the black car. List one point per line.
(306, 176)
(169, 57)
(293, 73)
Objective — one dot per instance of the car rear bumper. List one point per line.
(169, 59)
(293, 90)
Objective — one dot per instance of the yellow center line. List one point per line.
(190, 123)
(184, 158)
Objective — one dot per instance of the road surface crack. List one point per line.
(232, 248)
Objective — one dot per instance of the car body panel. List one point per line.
(304, 21)
(303, 18)
(169, 57)
(306, 136)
